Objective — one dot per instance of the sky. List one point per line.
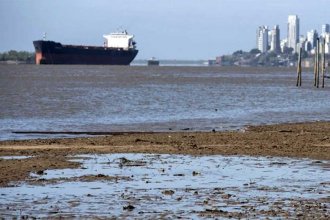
(165, 29)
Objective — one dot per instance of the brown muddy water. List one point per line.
(132, 98)
(173, 186)
(137, 98)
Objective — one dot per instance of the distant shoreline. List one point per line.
(13, 62)
(162, 65)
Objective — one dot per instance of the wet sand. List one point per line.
(302, 140)
(173, 186)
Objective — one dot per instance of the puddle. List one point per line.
(173, 186)
(14, 157)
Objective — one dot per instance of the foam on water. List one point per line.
(14, 157)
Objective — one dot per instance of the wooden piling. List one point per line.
(299, 68)
(318, 63)
(323, 62)
(315, 68)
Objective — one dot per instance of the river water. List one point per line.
(141, 98)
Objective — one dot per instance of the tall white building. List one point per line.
(262, 38)
(312, 37)
(275, 44)
(311, 40)
(327, 42)
(293, 32)
(325, 29)
(284, 44)
(303, 43)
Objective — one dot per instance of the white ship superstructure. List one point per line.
(120, 40)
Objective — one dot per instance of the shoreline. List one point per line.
(299, 140)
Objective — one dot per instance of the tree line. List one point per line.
(256, 58)
(13, 55)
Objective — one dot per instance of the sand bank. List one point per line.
(302, 140)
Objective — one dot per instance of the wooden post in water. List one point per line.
(318, 63)
(299, 68)
(323, 62)
(315, 66)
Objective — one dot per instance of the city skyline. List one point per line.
(164, 29)
(269, 40)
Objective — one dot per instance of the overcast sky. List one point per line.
(166, 29)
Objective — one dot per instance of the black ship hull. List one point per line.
(50, 52)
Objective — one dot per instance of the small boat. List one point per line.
(153, 62)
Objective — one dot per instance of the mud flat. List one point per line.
(173, 186)
(258, 172)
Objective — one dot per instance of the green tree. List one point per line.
(14, 55)
(304, 54)
(255, 51)
(239, 52)
(295, 56)
(288, 50)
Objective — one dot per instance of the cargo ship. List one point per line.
(119, 49)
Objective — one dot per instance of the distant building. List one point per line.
(275, 44)
(293, 32)
(218, 60)
(327, 43)
(302, 43)
(311, 40)
(269, 38)
(284, 44)
(307, 63)
(210, 62)
(312, 37)
(325, 29)
(308, 46)
(262, 38)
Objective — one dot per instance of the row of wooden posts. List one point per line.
(317, 64)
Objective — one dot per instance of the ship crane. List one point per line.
(44, 37)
